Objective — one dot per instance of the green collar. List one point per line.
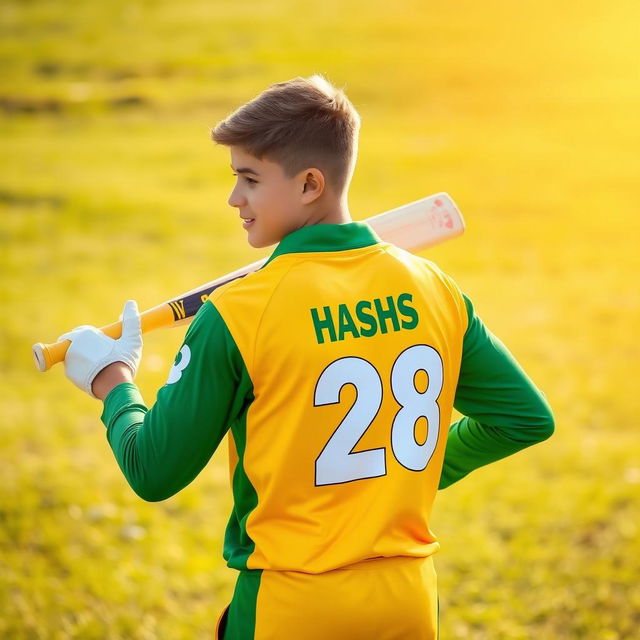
(326, 237)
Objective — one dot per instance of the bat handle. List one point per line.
(46, 355)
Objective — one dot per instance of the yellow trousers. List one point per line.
(380, 599)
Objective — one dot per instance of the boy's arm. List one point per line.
(162, 449)
(504, 411)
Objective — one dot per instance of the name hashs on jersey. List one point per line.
(372, 316)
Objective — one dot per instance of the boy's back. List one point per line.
(353, 357)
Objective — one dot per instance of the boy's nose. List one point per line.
(235, 200)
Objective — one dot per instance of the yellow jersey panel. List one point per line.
(354, 358)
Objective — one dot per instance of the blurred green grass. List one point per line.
(110, 188)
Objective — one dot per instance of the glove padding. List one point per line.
(91, 350)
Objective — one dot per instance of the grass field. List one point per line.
(526, 112)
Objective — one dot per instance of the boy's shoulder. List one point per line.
(431, 271)
(426, 265)
(252, 288)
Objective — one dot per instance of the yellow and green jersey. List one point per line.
(333, 370)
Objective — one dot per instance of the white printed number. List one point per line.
(338, 463)
(176, 370)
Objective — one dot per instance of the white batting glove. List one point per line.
(91, 351)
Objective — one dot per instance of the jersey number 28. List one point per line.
(338, 463)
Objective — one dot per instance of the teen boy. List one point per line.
(334, 369)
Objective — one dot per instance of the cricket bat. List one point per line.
(414, 226)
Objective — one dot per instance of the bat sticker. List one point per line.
(188, 306)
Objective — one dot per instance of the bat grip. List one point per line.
(46, 355)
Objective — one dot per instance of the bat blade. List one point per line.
(413, 226)
(420, 224)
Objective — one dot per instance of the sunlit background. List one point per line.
(527, 113)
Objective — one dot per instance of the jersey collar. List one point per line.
(326, 237)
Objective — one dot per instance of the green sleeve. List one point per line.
(162, 449)
(503, 410)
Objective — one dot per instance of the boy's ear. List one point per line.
(313, 185)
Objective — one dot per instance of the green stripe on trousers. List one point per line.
(241, 617)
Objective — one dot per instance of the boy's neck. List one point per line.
(337, 213)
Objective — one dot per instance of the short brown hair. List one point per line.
(301, 123)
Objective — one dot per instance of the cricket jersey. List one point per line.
(333, 371)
